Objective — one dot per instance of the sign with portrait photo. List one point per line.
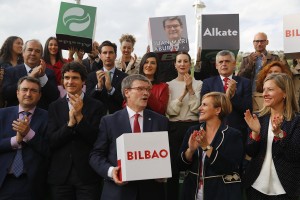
(168, 35)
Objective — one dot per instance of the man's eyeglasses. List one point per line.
(141, 89)
(259, 41)
(172, 26)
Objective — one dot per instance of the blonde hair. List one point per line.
(222, 101)
(285, 83)
(128, 38)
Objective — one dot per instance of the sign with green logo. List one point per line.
(76, 26)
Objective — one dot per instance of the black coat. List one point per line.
(285, 154)
(71, 146)
(225, 159)
(113, 102)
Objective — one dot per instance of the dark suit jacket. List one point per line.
(225, 159)
(95, 66)
(13, 74)
(285, 154)
(112, 102)
(70, 147)
(34, 152)
(104, 155)
(241, 101)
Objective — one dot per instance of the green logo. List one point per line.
(76, 19)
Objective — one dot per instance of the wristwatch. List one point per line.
(208, 147)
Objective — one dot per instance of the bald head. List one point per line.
(260, 42)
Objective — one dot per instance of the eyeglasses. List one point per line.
(25, 90)
(141, 89)
(259, 41)
(172, 26)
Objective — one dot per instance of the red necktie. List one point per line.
(226, 83)
(136, 125)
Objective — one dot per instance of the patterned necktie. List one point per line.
(111, 75)
(136, 125)
(18, 165)
(226, 83)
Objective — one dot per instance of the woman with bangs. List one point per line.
(211, 153)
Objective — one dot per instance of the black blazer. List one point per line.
(104, 155)
(71, 146)
(12, 74)
(285, 154)
(95, 66)
(35, 152)
(112, 102)
(225, 159)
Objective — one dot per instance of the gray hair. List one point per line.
(225, 53)
(127, 82)
(33, 40)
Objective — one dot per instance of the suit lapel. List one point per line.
(147, 121)
(64, 109)
(219, 84)
(22, 71)
(124, 119)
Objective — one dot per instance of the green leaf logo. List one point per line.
(76, 19)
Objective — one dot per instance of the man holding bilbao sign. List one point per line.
(135, 121)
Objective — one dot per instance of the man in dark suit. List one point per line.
(105, 84)
(72, 131)
(23, 145)
(35, 67)
(237, 89)
(93, 62)
(103, 158)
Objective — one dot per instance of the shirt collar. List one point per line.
(112, 70)
(131, 112)
(21, 109)
(28, 68)
(222, 77)
(81, 96)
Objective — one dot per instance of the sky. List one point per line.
(37, 19)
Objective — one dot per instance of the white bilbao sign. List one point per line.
(144, 156)
(291, 37)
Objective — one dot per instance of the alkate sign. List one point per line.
(219, 32)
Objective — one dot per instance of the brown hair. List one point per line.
(265, 71)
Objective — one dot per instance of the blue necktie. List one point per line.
(18, 165)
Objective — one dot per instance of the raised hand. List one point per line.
(77, 104)
(22, 127)
(276, 123)
(252, 121)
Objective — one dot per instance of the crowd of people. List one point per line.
(234, 135)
